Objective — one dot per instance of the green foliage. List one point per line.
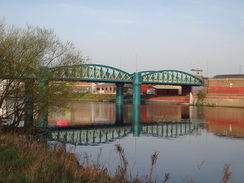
(201, 95)
(32, 161)
(24, 160)
(211, 105)
(28, 53)
(91, 96)
(199, 104)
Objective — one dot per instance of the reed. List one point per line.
(226, 174)
(26, 159)
(121, 170)
(23, 159)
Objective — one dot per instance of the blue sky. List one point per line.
(159, 34)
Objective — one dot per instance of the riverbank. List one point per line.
(220, 100)
(213, 100)
(128, 98)
(24, 159)
(224, 100)
(183, 100)
(91, 96)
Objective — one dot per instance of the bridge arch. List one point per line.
(91, 73)
(172, 77)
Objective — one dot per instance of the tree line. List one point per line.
(26, 53)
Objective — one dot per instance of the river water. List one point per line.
(194, 143)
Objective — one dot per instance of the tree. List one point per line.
(25, 56)
(201, 95)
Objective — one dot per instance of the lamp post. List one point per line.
(240, 69)
(120, 60)
(136, 60)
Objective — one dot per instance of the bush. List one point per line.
(201, 95)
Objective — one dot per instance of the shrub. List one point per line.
(201, 95)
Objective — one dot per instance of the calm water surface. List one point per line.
(194, 143)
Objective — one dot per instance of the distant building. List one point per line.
(110, 88)
(226, 84)
(167, 90)
(82, 87)
(105, 88)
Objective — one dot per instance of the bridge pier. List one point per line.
(119, 93)
(28, 103)
(136, 120)
(137, 88)
(43, 100)
(119, 114)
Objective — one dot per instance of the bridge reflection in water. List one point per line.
(95, 136)
(184, 136)
(108, 133)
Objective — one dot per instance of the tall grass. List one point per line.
(26, 159)
(226, 174)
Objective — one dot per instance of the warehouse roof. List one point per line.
(229, 76)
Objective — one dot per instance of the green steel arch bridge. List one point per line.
(95, 136)
(102, 73)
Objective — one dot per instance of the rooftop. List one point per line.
(229, 76)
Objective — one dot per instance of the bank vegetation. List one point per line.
(93, 97)
(26, 56)
(24, 158)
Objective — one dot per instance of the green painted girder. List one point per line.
(103, 73)
(91, 73)
(172, 77)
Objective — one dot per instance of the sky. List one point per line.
(141, 35)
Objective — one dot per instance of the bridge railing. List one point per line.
(170, 77)
(102, 73)
(92, 73)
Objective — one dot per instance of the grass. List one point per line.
(26, 159)
(91, 96)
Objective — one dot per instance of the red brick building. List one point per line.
(104, 88)
(167, 90)
(226, 84)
